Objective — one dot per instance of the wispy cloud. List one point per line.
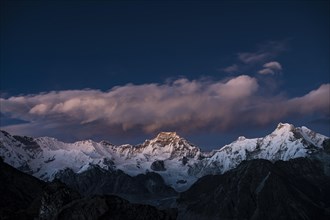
(265, 52)
(266, 71)
(270, 68)
(253, 57)
(180, 105)
(274, 65)
(231, 69)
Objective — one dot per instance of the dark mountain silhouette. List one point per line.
(260, 189)
(25, 197)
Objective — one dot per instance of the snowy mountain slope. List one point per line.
(284, 143)
(49, 156)
(174, 154)
(174, 158)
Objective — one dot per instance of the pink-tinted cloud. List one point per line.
(181, 105)
(266, 71)
(271, 68)
(231, 69)
(274, 65)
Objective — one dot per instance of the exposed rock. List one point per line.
(158, 165)
(326, 145)
(29, 142)
(167, 138)
(109, 163)
(184, 160)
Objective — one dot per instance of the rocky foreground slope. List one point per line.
(25, 197)
(259, 189)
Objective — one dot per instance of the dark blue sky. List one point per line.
(70, 45)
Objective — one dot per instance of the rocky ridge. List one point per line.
(179, 162)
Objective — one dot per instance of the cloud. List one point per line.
(264, 52)
(181, 105)
(274, 65)
(253, 57)
(266, 71)
(316, 99)
(231, 69)
(270, 68)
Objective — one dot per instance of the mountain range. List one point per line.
(286, 172)
(179, 162)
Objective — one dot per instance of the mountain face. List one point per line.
(60, 202)
(25, 197)
(177, 161)
(284, 143)
(148, 188)
(260, 189)
(20, 193)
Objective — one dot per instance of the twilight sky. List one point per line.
(125, 70)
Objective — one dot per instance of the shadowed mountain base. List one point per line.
(25, 197)
(259, 189)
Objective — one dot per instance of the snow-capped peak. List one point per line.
(179, 162)
(168, 145)
(284, 127)
(165, 138)
(241, 138)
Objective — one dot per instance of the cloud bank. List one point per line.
(181, 105)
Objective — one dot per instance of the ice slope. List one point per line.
(183, 162)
